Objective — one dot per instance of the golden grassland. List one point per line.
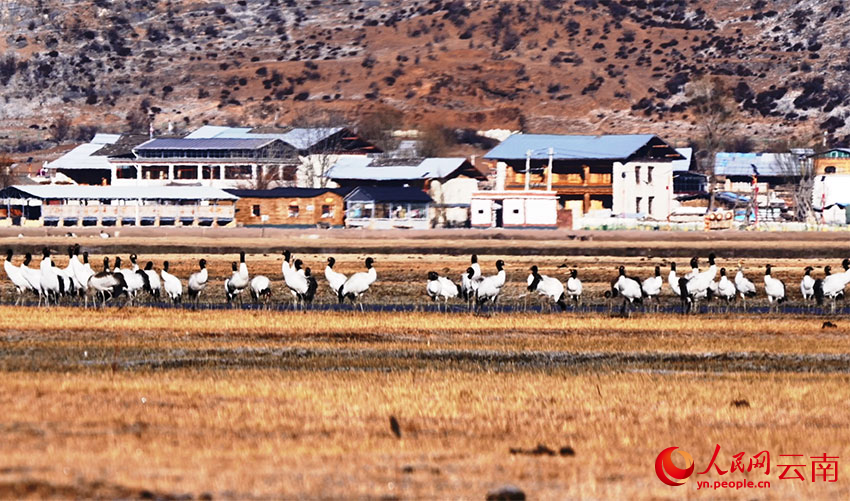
(235, 434)
(202, 329)
(141, 402)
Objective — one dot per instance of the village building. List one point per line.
(450, 182)
(685, 180)
(388, 207)
(291, 207)
(626, 175)
(315, 149)
(735, 172)
(833, 161)
(73, 205)
(220, 157)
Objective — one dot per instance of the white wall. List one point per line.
(513, 212)
(635, 185)
(481, 212)
(457, 191)
(541, 212)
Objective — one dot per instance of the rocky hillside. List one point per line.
(582, 66)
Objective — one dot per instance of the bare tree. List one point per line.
(8, 176)
(434, 141)
(714, 110)
(60, 128)
(377, 127)
(267, 178)
(320, 145)
(798, 181)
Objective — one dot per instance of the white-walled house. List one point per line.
(629, 174)
(643, 188)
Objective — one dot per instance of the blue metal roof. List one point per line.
(300, 138)
(287, 192)
(388, 194)
(569, 147)
(365, 168)
(204, 144)
(755, 164)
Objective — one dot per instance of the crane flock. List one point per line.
(51, 284)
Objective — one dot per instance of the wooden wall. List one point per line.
(281, 211)
(842, 165)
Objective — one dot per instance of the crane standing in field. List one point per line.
(440, 287)
(491, 287)
(629, 289)
(547, 286)
(359, 283)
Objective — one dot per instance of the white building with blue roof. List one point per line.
(625, 174)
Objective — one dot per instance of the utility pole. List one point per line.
(527, 169)
(549, 175)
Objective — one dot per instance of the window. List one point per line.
(237, 172)
(255, 211)
(637, 174)
(830, 169)
(649, 204)
(293, 210)
(637, 204)
(327, 211)
(187, 172)
(418, 211)
(649, 176)
(211, 172)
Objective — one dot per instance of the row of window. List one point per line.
(286, 173)
(360, 210)
(294, 210)
(252, 154)
(640, 178)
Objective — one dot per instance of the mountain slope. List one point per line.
(583, 66)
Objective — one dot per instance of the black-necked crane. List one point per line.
(358, 283)
(171, 284)
(198, 281)
(574, 287)
(548, 287)
(773, 287)
(491, 286)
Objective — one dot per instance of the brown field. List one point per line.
(143, 402)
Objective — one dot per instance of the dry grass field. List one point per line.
(140, 402)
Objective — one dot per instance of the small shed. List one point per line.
(515, 209)
(299, 207)
(386, 207)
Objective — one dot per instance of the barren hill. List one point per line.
(582, 66)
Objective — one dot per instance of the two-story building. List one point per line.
(219, 157)
(628, 174)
